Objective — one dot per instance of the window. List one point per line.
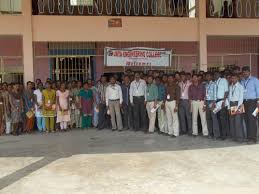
(81, 2)
(10, 6)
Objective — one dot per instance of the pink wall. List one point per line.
(231, 45)
(11, 51)
(41, 64)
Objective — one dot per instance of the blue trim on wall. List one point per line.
(72, 52)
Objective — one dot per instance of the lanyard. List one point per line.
(233, 90)
(184, 86)
(217, 83)
(137, 85)
(246, 83)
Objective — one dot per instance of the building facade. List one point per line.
(65, 39)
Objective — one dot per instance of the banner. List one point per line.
(138, 56)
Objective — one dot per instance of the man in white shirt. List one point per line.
(38, 108)
(138, 100)
(114, 100)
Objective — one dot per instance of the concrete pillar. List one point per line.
(203, 54)
(27, 41)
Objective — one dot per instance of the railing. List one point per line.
(233, 8)
(173, 8)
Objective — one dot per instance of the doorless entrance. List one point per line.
(68, 68)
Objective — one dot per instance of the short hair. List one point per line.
(195, 75)
(182, 73)
(246, 68)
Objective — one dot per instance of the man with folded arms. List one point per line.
(197, 97)
(114, 103)
(222, 88)
(151, 96)
(171, 105)
(236, 97)
(251, 102)
(211, 117)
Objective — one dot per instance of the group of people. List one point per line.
(221, 105)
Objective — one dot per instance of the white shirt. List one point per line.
(113, 92)
(138, 89)
(38, 95)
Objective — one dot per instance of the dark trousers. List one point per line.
(222, 116)
(212, 122)
(103, 121)
(185, 117)
(139, 113)
(250, 120)
(127, 116)
(236, 125)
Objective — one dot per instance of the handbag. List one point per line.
(30, 114)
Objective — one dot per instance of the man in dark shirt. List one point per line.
(126, 106)
(197, 96)
(171, 105)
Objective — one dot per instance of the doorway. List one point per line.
(68, 68)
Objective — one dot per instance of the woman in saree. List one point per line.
(86, 99)
(49, 107)
(29, 108)
(16, 102)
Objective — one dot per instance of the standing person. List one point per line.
(38, 107)
(76, 117)
(102, 120)
(63, 114)
(251, 102)
(29, 107)
(2, 113)
(16, 103)
(114, 103)
(126, 106)
(162, 120)
(197, 97)
(211, 97)
(96, 98)
(6, 95)
(151, 98)
(185, 116)
(49, 107)
(222, 94)
(86, 99)
(172, 102)
(236, 97)
(138, 100)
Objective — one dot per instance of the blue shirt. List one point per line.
(211, 89)
(161, 92)
(221, 88)
(251, 86)
(236, 94)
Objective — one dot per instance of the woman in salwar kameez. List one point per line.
(49, 107)
(86, 98)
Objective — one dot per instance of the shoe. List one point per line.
(194, 135)
(172, 136)
(113, 129)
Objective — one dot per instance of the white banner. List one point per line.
(138, 56)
